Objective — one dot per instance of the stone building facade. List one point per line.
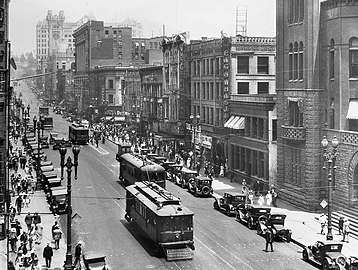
(317, 87)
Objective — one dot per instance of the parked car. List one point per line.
(251, 214)
(229, 202)
(277, 223)
(201, 185)
(61, 142)
(44, 142)
(183, 176)
(53, 136)
(329, 256)
(94, 260)
(58, 200)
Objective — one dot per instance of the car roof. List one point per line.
(58, 192)
(203, 178)
(92, 255)
(231, 193)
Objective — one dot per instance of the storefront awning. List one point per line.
(353, 110)
(228, 122)
(240, 124)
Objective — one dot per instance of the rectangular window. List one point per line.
(263, 65)
(353, 71)
(203, 91)
(331, 64)
(295, 115)
(110, 84)
(243, 64)
(110, 99)
(243, 88)
(295, 67)
(274, 130)
(262, 87)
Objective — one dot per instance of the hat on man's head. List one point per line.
(79, 242)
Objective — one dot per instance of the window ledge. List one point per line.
(331, 79)
(353, 79)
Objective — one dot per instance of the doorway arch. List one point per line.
(353, 180)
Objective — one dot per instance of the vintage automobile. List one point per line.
(329, 256)
(58, 200)
(170, 169)
(201, 185)
(277, 223)
(44, 142)
(53, 136)
(183, 176)
(229, 202)
(61, 141)
(251, 214)
(94, 260)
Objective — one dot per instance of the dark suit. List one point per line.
(47, 254)
(269, 239)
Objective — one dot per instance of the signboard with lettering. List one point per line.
(226, 47)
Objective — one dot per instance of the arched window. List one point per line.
(353, 58)
(295, 61)
(295, 11)
(290, 62)
(331, 60)
(300, 61)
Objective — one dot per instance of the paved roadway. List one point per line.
(98, 220)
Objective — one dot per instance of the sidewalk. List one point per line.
(304, 225)
(39, 203)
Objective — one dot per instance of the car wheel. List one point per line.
(228, 210)
(216, 205)
(325, 265)
(305, 255)
(250, 223)
(205, 190)
(238, 216)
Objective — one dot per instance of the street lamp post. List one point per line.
(25, 120)
(194, 128)
(330, 158)
(69, 165)
(34, 121)
(42, 120)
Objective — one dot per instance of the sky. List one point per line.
(201, 18)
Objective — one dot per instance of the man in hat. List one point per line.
(78, 253)
(346, 230)
(47, 254)
(13, 239)
(28, 221)
(269, 238)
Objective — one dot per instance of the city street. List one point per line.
(98, 219)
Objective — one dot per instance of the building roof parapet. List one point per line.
(254, 40)
(329, 4)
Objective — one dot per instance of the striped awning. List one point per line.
(353, 110)
(228, 122)
(240, 124)
(235, 122)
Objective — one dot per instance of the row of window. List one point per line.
(208, 90)
(243, 64)
(295, 61)
(296, 11)
(208, 115)
(353, 58)
(209, 66)
(249, 161)
(243, 88)
(115, 33)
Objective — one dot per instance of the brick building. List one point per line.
(317, 87)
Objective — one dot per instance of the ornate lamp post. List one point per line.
(34, 120)
(38, 151)
(25, 119)
(330, 157)
(42, 120)
(69, 165)
(194, 128)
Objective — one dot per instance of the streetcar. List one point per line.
(162, 217)
(78, 134)
(135, 168)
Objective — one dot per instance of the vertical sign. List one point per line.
(226, 47)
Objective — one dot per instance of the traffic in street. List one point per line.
(98, 202)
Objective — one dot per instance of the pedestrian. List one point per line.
(78, 253)
(24, 237)
(13, 239)
(28, 221)
(47, 254)
(39, 233)
(23, 248)
(256, 187)
(323, 221)
(222, 170)
(269, 238)
(27, 200)
(19, 259)
(57, 235)
(251, 196)
(346, 230)
(34, 259)
(243, 186)
(261, 200)
(18, 204)
(32, 236)
(274, 197)
(268, 198)
(36, 218)
(54, 227)
(340, 225)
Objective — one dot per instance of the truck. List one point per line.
(48, 122)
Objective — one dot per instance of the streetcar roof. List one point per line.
(144, 165)
(159, 200)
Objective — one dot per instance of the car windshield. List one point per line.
(190, 175)
(204, 182)
(94, 265)
(237, 199)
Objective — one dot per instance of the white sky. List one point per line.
(199, 17)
